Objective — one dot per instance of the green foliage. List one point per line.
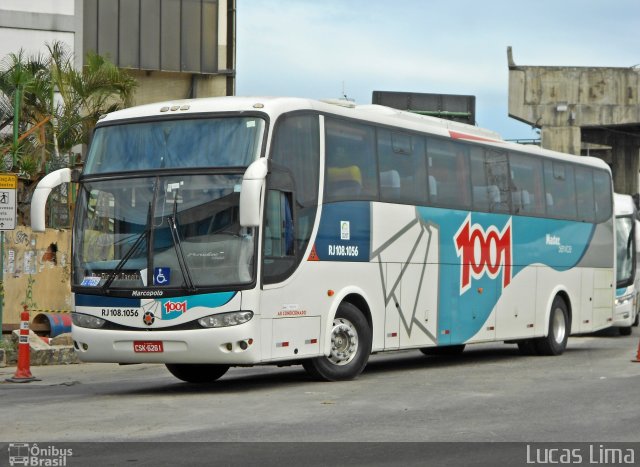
(66, 102)
(7, 344)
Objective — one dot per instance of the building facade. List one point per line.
(176, 49)
(575, 107)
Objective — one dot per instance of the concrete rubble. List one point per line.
(56, 351)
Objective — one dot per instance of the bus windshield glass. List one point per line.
(624, 247)
(170, 144)
(170, 231)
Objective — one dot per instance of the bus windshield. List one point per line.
(145, 219)
(170, 144)
(171, 231)
(624, 246)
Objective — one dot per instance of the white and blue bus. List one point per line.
(627, 273)
(238, 231)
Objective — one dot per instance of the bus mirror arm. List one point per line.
(41, 193)
(252, 185)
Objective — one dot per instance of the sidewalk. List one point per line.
(86, 373)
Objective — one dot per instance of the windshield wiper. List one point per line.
(177, 244)
(144, 234)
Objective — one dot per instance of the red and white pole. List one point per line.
(23, 373)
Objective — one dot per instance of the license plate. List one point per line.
(147, 346)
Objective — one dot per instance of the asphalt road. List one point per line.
(490, 393)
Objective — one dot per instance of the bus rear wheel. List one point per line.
(555, 342)
(350, 347)
(198, 372)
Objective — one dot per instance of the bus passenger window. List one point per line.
(390, 184)
(526, 175)
(602, 189)
(561, 193)
(403, 171)
(584, 194)
(449, 166)
(350, 161)
(344, 182)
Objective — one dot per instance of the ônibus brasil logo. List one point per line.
(483, 252)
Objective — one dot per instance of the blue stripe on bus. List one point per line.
(170, 310)
(344, 233)
(462, 313)
(100, 301)
(211, 300)
(555, 243)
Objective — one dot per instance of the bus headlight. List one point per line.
(87, 321)
(224, 320)
(623, 299)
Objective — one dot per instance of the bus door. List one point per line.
(290, 331)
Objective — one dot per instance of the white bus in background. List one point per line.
(627, 273)
(240, 231)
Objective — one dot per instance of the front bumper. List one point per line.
(234, 345)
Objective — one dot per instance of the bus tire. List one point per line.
(350, 347)
(527, 347)
(444, 350)
(198, 372)
(555, 342)
(625, 330)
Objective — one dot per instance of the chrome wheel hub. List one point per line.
(559, 326)
(344, 342)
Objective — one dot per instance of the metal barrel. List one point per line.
(55, 323)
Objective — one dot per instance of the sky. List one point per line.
(329, 48)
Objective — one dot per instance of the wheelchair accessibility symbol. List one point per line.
(161, 276)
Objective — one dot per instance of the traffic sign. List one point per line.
(8, 190)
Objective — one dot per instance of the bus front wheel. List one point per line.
(197, 373)
(555, 342)
(350, 347)
(625, 331)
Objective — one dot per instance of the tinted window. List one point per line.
(490, 181)
(560, 190)
(448, 168)
(528, 190)
(584, 194)
(293, 194)
(350, 164)
(602, 190)
(296, 146)
(206, 142)
(402, 163)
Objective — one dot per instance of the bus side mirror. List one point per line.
(252, 185)
(41, 193)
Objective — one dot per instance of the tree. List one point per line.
(58, 105)
(52, 107)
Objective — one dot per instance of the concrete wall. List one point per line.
(574, 96)
(576, 105)
(155, 86)
(33, 276)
